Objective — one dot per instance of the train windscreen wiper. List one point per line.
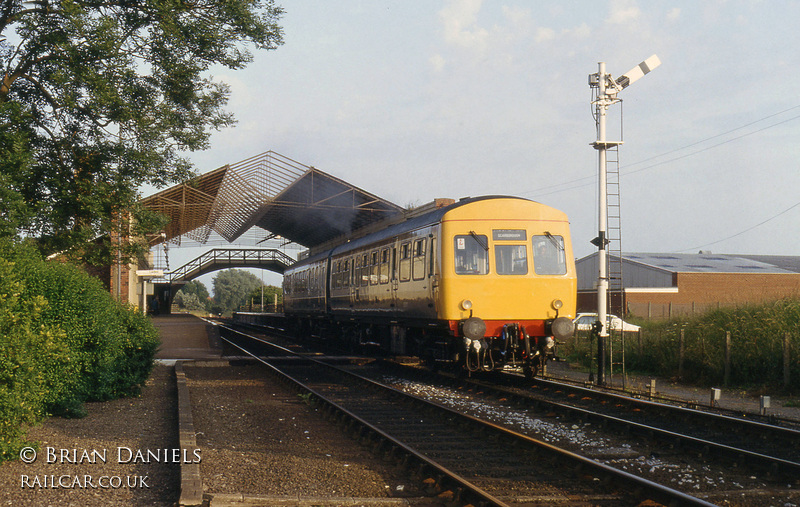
(554, 241)
(479, 240)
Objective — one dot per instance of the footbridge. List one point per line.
(220, 258)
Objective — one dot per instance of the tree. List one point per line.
(193, 296)
(14, 157)
(272, 295)
(233, 287)
(195, 287)
(108, 95)
(190, 302)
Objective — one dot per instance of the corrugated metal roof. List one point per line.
(659, 269)
(705, 263)
(298, 202)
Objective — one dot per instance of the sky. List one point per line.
(414, 100)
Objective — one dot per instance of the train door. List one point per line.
(433, 272)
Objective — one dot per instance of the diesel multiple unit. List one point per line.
(483, 283)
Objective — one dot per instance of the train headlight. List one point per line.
(557, 304)
(466, 304)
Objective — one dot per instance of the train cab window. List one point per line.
(384, 266)
(418, 267)
(374, 269)
(471, 254)
(511, 259)
(405, 262)
(549, 256)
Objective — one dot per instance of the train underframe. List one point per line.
(436, 344)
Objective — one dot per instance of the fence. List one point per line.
(699, 357)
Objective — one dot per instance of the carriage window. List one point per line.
(385, 265)
(374, 269)
(337, 275)
(511, 259)
(472, 254)
(364, 270)
(405, 262)
(419, 259)
(549, 256)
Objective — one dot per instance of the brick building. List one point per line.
(661, 286)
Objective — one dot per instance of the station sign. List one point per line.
(150, 273)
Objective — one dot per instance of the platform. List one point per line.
(185, 336)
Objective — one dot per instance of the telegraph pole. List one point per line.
(607, 89)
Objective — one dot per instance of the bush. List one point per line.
(756, 351)
(29, 353)
(66, 341)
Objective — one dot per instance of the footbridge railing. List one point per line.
(219, 258)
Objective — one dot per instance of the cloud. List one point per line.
(623, 11)
(674, 14)
(544, 34)
(580, 32)
(459, 18)
(437, 61)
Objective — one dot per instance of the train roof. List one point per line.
(411, 224)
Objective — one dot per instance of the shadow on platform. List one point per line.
(185, 336)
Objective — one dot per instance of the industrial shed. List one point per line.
(660, 286)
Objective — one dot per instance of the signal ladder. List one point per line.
(616, 294)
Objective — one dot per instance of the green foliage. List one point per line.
(190, 302)
(14, 157)
(196, 287)
(193, 296)
(64, 341)
(756, 357)
(113, 94)
(232, 288)
(29, 353)
(271, 295)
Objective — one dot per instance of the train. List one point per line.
(482, 284)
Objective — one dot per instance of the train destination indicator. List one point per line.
(509, 234)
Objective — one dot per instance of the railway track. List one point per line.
(767, 450)
(719, 472)
(464, 459)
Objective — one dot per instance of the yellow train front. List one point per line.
(508, 283)
(482, 284)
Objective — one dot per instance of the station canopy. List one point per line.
(286, 198)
